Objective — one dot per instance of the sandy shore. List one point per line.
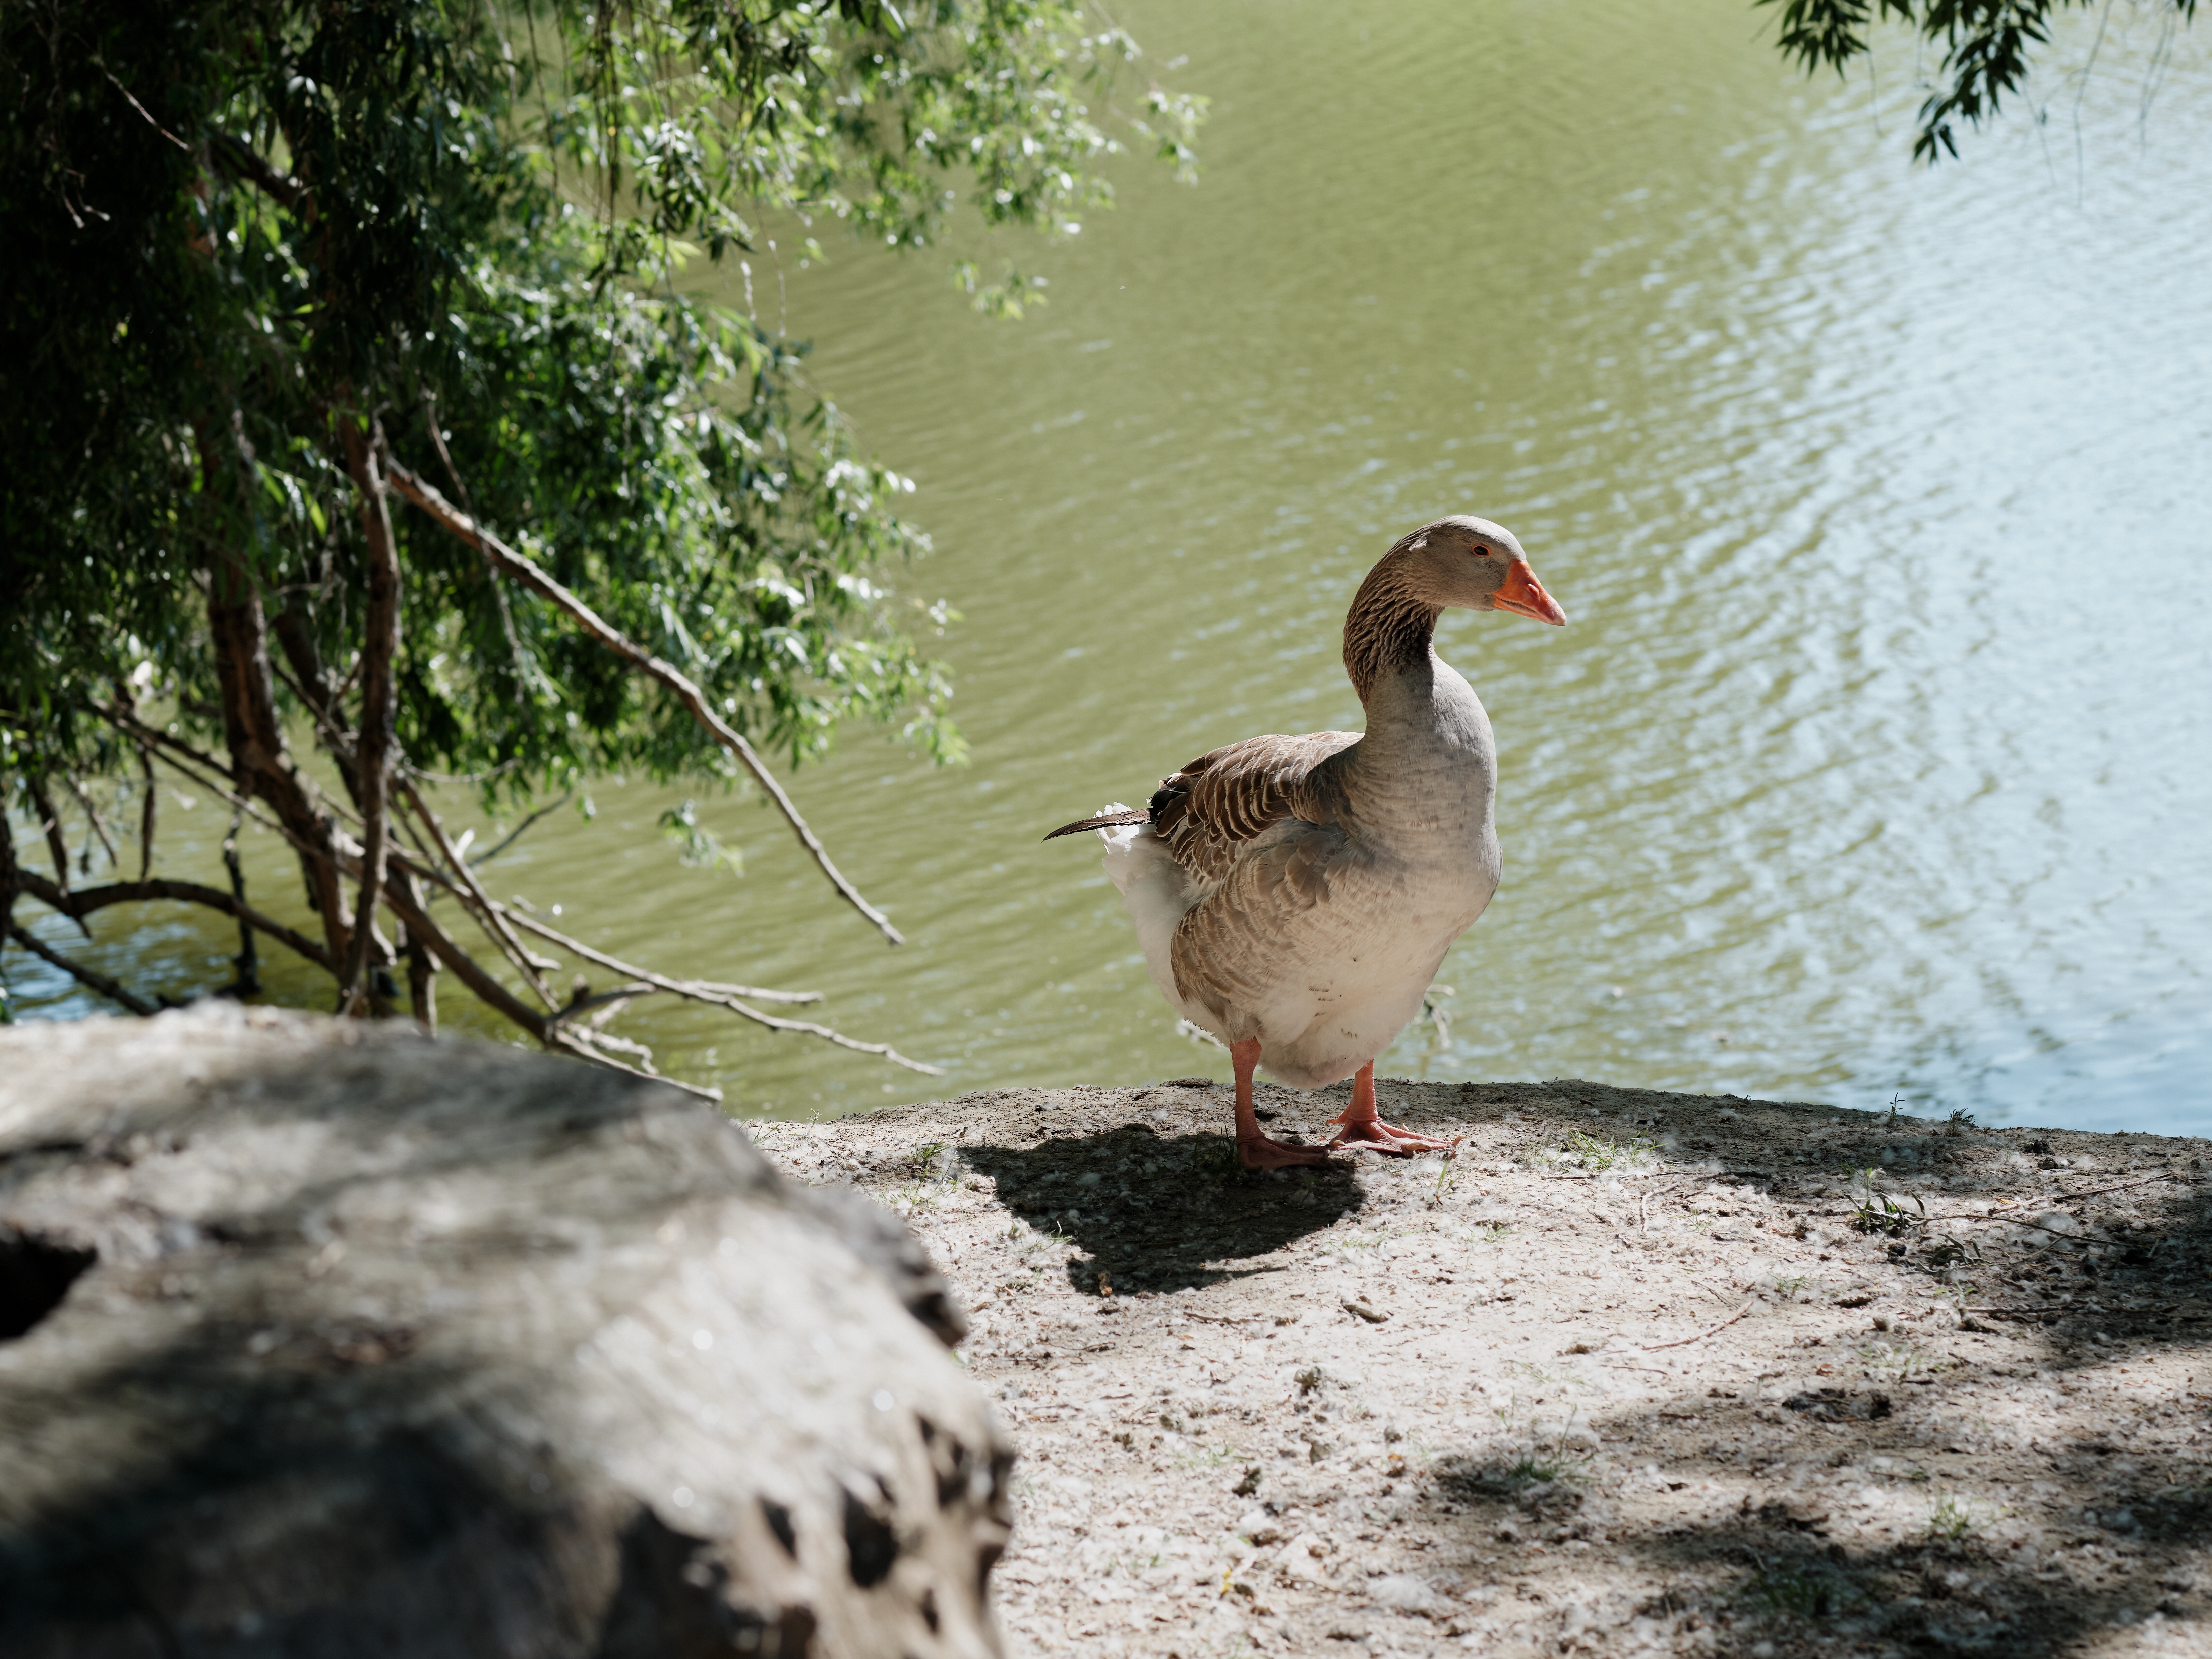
(1629, 1374)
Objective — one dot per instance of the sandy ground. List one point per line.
(1629, 1374)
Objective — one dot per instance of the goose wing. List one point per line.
(1213, 812)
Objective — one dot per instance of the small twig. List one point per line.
(99, 827)
(50, 826)
(1711, 1330)
(464, 885)
(585, 1004)
(1227, 1319)
(146, 812)
(2065, 1197)
(248, 980)
(524, 570)
(142, 110)
(515, 834)
(704, 990)
(568, 1043)
(77, 970)
(1365, 1312)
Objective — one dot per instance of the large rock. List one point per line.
(324, 1339)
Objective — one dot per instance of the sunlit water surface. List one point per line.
(1875, 757)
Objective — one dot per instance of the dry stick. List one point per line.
(464, 886)
(1685, 1341)
(50, 826)
(488, 989)
(714, 988)
(516, 834)
(468, 508)
(82, 902)
(465, 967)
(248, 980)
(2089, 1192)
(378, 701)
(570, 1043)
(146, 815)
(500, 935)
(422, 966)
(99, 827)
(523, 570)
(77, 970)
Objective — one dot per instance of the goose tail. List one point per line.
(1106, 820)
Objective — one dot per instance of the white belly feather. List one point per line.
(1355, 979)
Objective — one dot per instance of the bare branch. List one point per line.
(84, 902)
(89, 977)
(720, 996)
(50, 826)
(575, 1043)
(99, 827)
(465, 967)
(520, 568)
(248, 982)
(464, 885)
(422, 966)
(515, 834)
(710, 989)
(261, 762)
(146, 812)
(244, 161)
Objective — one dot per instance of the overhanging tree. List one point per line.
(1985, 49)
(348, 389)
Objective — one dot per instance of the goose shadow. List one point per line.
(1151, 1212)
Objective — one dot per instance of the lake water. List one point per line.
(1875, 759)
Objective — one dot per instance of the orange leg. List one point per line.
(1254, 1149)
(1362, 1127)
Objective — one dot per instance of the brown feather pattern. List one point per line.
(1227, 798)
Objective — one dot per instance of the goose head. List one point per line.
(1473, 564)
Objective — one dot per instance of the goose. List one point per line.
(1295, 896)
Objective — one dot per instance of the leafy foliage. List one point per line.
(255, 241)
(1987, 47)
(240, 224)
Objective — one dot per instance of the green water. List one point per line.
(1875, 757)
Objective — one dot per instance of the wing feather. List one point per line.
(1213, 812)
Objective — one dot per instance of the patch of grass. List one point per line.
(1791, 1286)
(1551, 1465)
(1447, 1178)
(1955, 1519)
(1552, 1375)
(1206, 1457)
(1874, 1210)
(1900, 1359)
(1595, 1152)
(1800, 1592)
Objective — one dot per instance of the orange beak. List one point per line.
(1524, 596)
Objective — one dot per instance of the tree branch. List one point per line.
(681, 987)
(242, 160)
(465, 967)
(378, 701)
(521, 569)
(77, 970)
(464, 886)
(78, 905)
